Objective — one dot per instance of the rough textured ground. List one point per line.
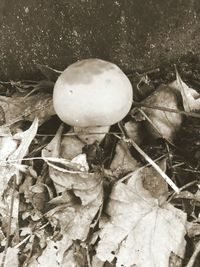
(134, 34)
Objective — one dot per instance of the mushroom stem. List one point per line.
(91, 134)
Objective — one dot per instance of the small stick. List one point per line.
(190, 114)
(181, 189)
(148, 159)
(155, 166)
(194, 256)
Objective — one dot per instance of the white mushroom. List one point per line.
(91, 95)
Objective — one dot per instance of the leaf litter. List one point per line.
(143, 227)
(60, 209)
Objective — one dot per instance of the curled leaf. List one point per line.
(8, 170)
(191, 99)
(160, 123)
(72, 174)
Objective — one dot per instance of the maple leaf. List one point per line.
(53, 254)
(72, 174)
(79, 194)
(139, 230)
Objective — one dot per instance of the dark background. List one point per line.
(135, 34)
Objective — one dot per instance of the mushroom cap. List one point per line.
(92, 92)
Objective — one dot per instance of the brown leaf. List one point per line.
(70, 147)
(164, 124)
(8, 169)
(53, 255)
(19, 108)
(123, 161)
(134, 131)
(138, 228)
(72, 175)
(153, 182)
(191, 99)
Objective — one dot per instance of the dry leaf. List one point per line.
(134, 131)
(74, 219)
(70, 147)
(191, 99)
(123, 161)
(26, 138)
(154, 182)
(17, 108)
(7, 170)
(163, 123)
(53, 254)
(139, 231)
(11, 257)
(70, 175)
(7, 146)
(7, 192)
(82, 191)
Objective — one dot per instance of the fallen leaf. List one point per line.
(17, 108)
(26, 138)
(140, 231)
(191, 98)
(74, 219)
(53, 254)
(70, 147)
(7, 145)
(71, 175)
(164, 124)
(11, 257)
(134, 131)
(123, 162)
(154, 182)
(193, 229)
(82, 191)
(7, 168)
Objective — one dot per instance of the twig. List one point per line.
(154, 126)
(194, 255)
(150, 71)
(74, 134)
(23, 241)
(150, 121)
(148, 159)
(127, 176)
(25, 114)
(88, 256)
(190, 114)
(181, 189)
(155, 166)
